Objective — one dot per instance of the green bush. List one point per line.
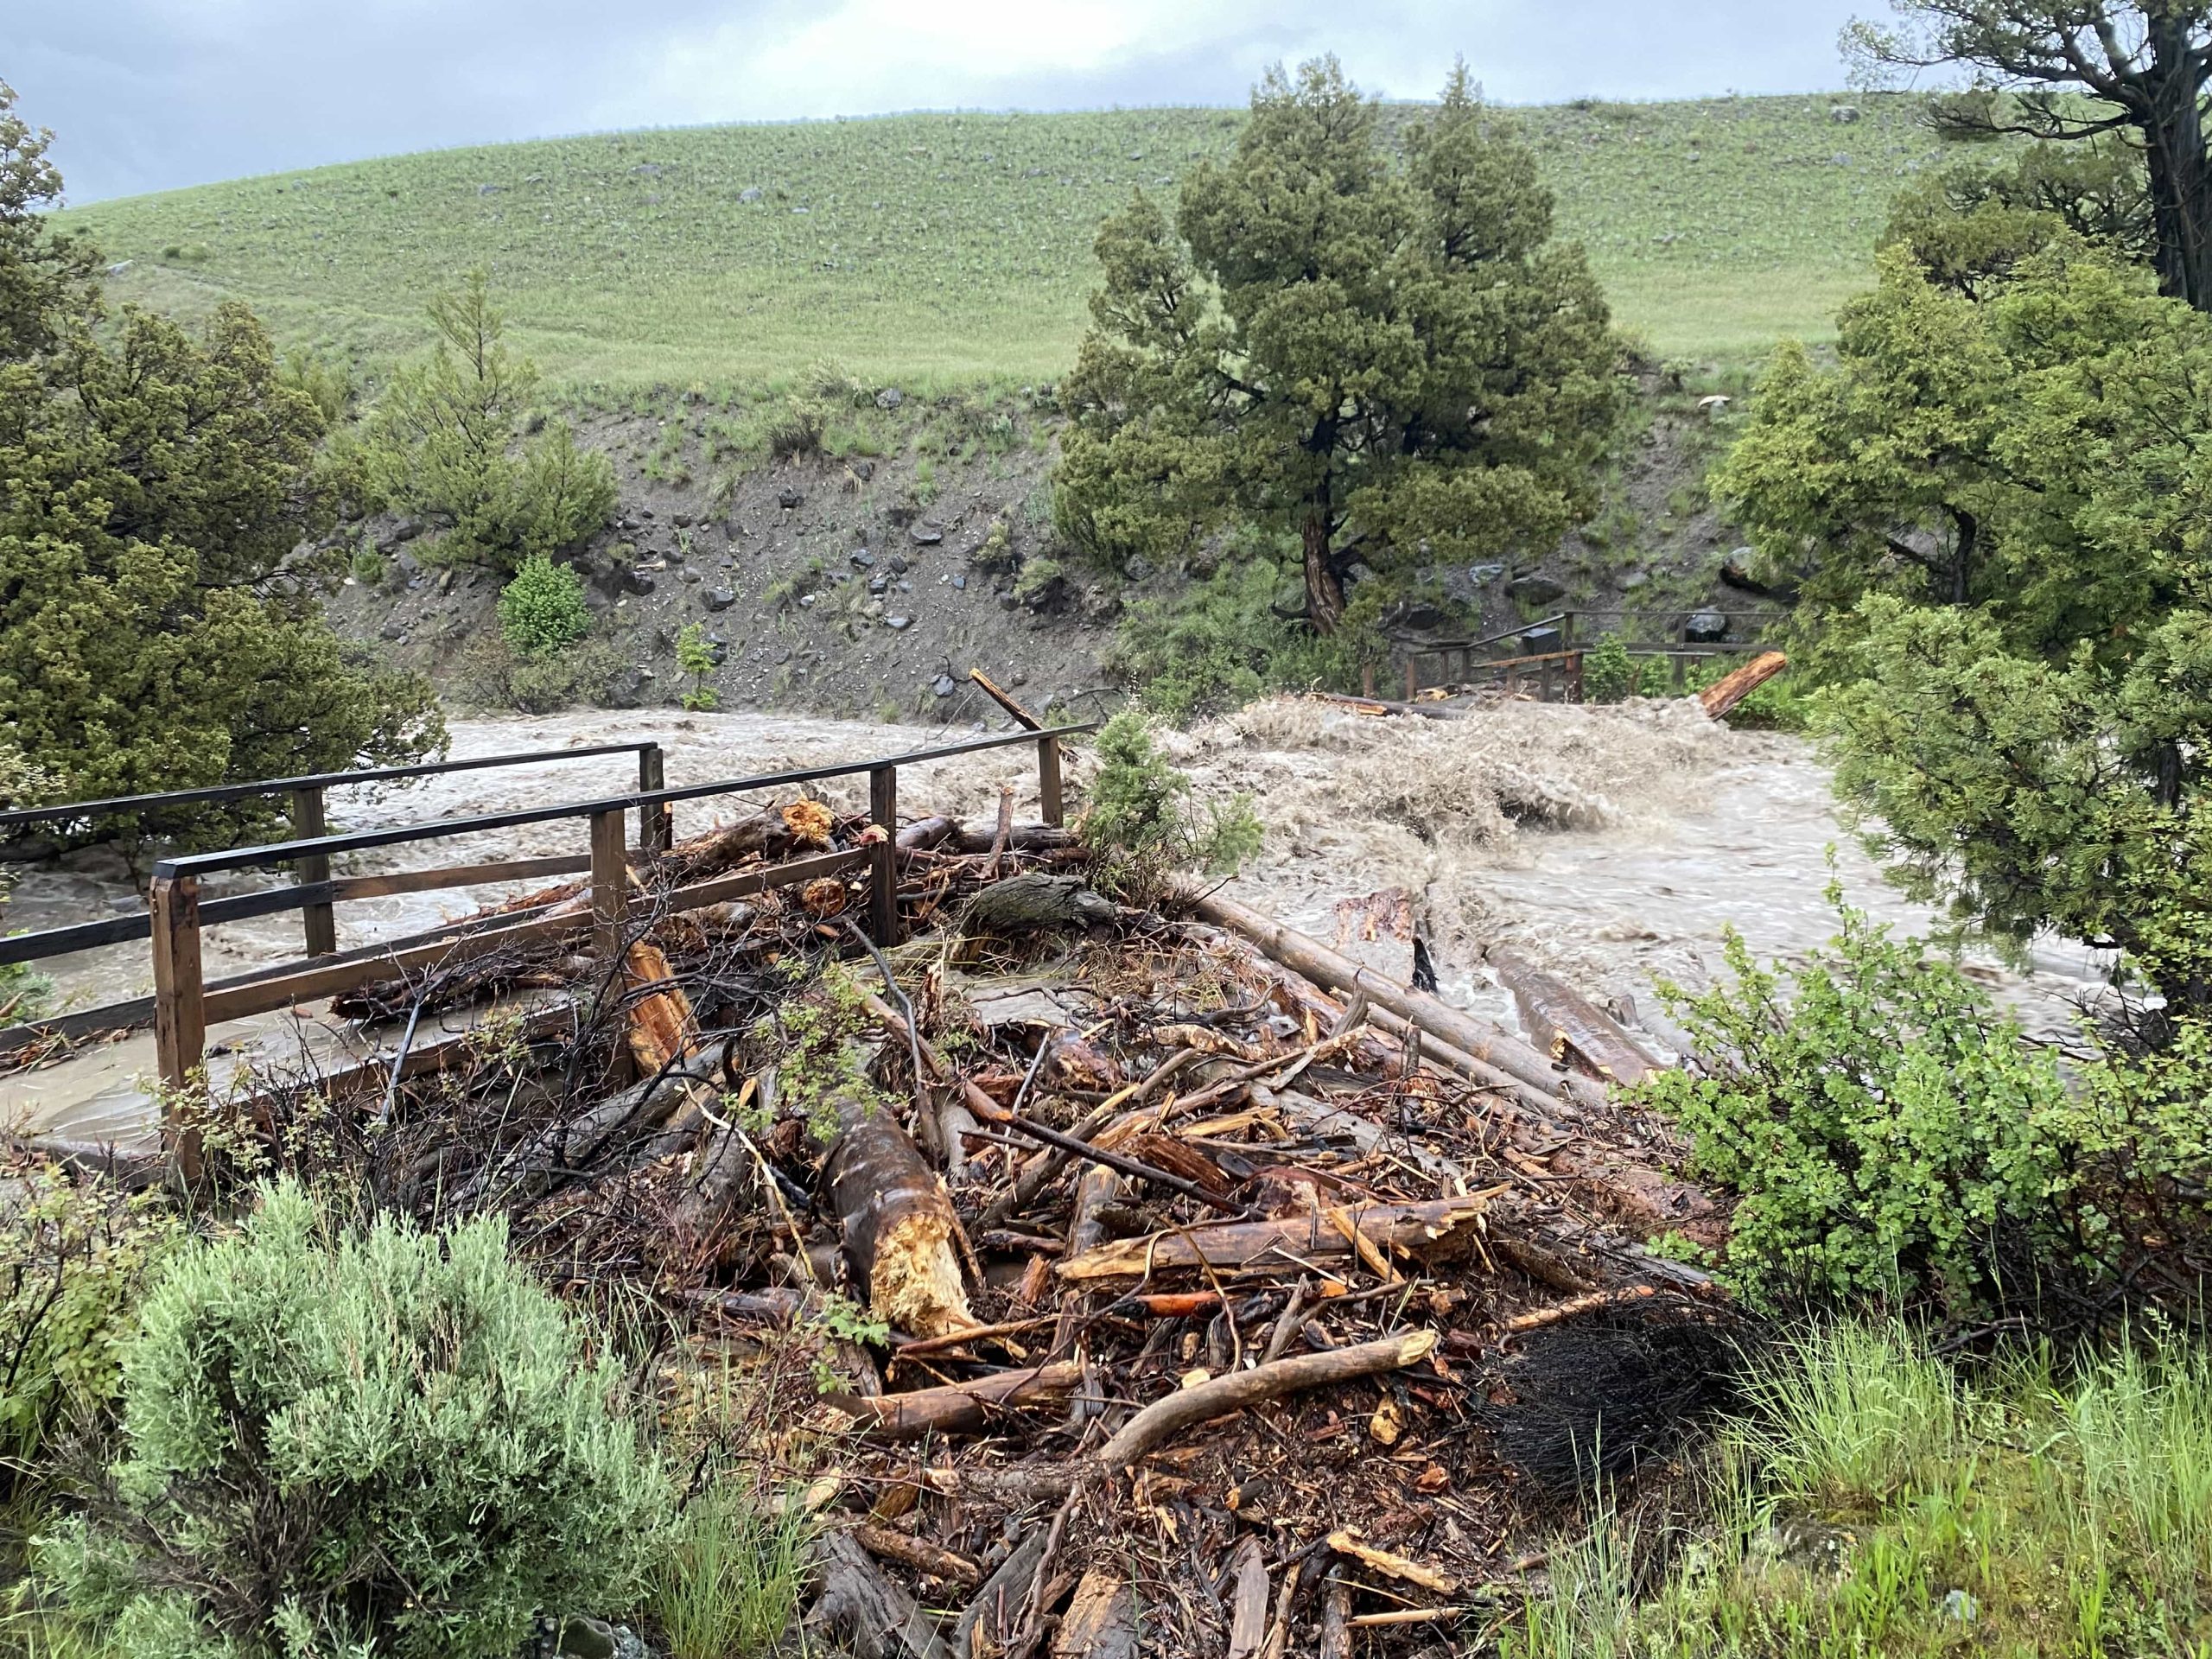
(730, 1579)
(74, 1254)
(1887, 1134)
(1608, 671)
(1221, 642)
(542, 608)
(447, 441)
(369, 569)
(344, 1442)
(697, 657)
(1140, 821)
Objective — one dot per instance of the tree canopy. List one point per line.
(1388, 358)
(150, 482)
(2070, 70)
(1998, 503)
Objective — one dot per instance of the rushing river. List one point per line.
(1613, 847)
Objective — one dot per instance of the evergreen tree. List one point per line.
(149, 483)
(1390, 360)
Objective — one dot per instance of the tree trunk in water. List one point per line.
(1324, 589)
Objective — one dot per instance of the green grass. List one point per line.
(945, 249)
(1880, 1502)
(730, 1583)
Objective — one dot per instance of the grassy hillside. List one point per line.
(956, 246)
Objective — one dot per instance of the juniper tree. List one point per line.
(1385, 357)
(2075, 71)
(149, 483)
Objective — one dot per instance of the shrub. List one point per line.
(347, 1442)
(542, 608)
(447, 441)
(697, 657)
(73, 1253)
(368, 568)
(795, 432)
(1222, 642)
(1888, 1134)
(1140, 821)
(1608, 671)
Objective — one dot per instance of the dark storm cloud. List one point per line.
(147, 94)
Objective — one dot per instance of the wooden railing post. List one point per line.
(1049, 797)
(656, 822)
(610, 886)
(319, 922)
(1413, 682)
(179, 1013)
(883, 870)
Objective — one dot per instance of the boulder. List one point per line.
(721, 599)
(926, 534)
(897, 624)
(1537, 642)
(1535, 588)
(890, 398)
(1844, 115)
(863, 560)
(1482, 575)
(788, 498)
(750, 193)
(944, 685)
(626, 689)
(1706, 629)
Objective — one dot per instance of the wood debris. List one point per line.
(1164, 1283)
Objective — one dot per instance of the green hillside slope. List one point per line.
(956, 246)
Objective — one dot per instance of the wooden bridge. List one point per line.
(185, 1004)
(1555, 673)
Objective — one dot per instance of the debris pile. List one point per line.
(1166, 1281)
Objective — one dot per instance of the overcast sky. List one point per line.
(147, 94)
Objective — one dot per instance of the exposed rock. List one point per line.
(890, 398)
(1139, 568)
(395, 631)
(896, 564)
(788, 498)
(863, 560)
(960, 584)
(750, 193)
(1535, 589)
(897, 624)
(944, 685)
(1706, 629)
(1538, 641)
(721, 599)
(626, 689)
(587, 1638)
(1844, 115)
(1482, 575)
(926, 534)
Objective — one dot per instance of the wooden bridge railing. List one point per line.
(1557, 674)
(185, 1006)
(313, 893)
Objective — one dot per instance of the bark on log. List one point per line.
(1479, 1039)
(1386, 706)
(898, 1224)
(992, 1619)
(1248, 1598)
(1563, 1020)
(877, 1618)
(1101, 1622)
(1035, 904)
(1161, 1420)
(1723, 694)
(923, 1557)
(1432, 1229)
(956, 1408)
(975, 836)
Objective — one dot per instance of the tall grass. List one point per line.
(728, 1585)
(1875, 1500)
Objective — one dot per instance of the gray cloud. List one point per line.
(149, 94)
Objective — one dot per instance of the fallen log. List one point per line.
(956, 1408)
(1567, 1021)
(923, 1557)
(1721, 697)
(1248, 1598)
(1035, 903)
(898, 1224)
(1432, 1229)
(1377, 705)
(1479, 1039)
(989, 1622)
(875, 1616)
(1101, 1622)
(660, 1023)
(1161, 1420)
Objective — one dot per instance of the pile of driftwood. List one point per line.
(1179, 1284)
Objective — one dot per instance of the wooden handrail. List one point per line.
(184, 1006)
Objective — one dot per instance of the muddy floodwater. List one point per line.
(1613, 846)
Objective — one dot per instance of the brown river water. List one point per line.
(1613, 846)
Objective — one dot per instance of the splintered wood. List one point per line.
(1160, 1284)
